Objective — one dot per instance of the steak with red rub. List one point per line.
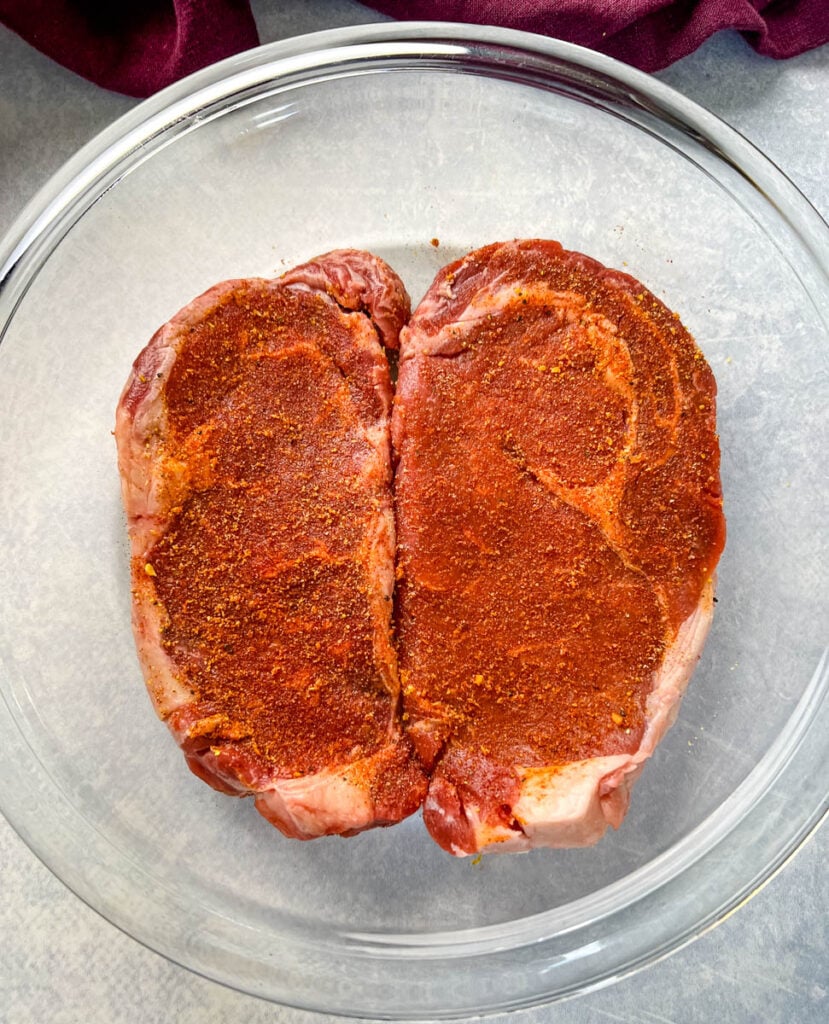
(253, 442)
(559, 522)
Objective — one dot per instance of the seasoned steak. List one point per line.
(253, 443)
(559, 521)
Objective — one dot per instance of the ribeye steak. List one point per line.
(559, 521)
(253, 441)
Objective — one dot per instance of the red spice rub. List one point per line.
(254, 447)
(559, 519)
(559, 515)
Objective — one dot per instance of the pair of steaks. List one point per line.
(481, 593)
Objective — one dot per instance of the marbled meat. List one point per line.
(559, 519)
(254, 452)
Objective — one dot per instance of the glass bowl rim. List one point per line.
(48, 218)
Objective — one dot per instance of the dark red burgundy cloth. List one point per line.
(139, 46)
(133, 46)
(650, 34)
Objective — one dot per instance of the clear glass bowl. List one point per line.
(386, 137)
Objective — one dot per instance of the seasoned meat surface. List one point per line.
(253, 441)
(559, 522)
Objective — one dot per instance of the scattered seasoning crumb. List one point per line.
(617, 718)
(148, 569)
(476, 860)
(435, 242)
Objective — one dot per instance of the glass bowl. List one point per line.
(387, 137)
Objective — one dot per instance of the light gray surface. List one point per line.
(62, 963)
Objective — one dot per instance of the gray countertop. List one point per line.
(63, 964)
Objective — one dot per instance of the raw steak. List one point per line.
(253, 442)
(559, 522)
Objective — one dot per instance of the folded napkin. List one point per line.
(139, 46)
(133, 46)
(650, 34)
